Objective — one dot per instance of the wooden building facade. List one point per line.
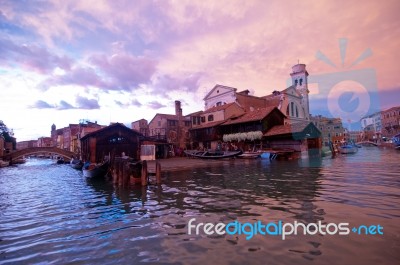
(114, 140)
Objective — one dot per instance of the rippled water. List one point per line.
(51, 214)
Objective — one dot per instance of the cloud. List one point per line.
(31, 57)
(189, 82)
(63, 105)
(124, 70)
(77, 76)
(155, 105)
(40, 104)
(85, 103)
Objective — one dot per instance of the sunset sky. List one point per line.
(120, 61)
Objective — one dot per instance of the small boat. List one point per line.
(95, 171)
(76, 164)
(250, 155)
(396, 141)
(4, 163)
(212, 154)
(60, 160)
(348, 149)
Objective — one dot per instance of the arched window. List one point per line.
(295, 82)
(287, 110)
(301, 81)
(210, 117)
(292, 109)
(297, 112)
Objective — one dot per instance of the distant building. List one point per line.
(173, 128)
(26, 144)
(354, 136)
(141, 126)
(44, 142)
(331, 128)
(391, 122)
(372, 127)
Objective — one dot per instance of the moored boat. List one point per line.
(396, 141)
(250, 155)
(212, 154)
(76, 164)
(95, 171)
(348, 149)
(4, 163)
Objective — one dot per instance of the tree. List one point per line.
(6, 133)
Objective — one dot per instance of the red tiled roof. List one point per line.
(287, 128)
(255, 115)
(207, 125)
(218, 108)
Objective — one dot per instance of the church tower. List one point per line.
(299, 77)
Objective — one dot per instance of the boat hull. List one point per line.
(96, 171)
(76, 164)
(213, 154)
(348, 149)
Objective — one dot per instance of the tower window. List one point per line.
(301, 81)
(292, 109)
(295, 82)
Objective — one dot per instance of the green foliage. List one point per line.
(5, 132)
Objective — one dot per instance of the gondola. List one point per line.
(212, 154)
(76, 164)
(95, 171)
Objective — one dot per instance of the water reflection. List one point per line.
(72, 219)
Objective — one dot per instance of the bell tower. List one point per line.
(299, 77)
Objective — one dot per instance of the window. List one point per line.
(218, 103)
(194, 120)
(210, 117)
(159, 123)
(203, 119)
(295, 82)
(301, 81)
(297, 112)
(172, 123)
(292, 109)
(287, 110)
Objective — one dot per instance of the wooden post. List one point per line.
(126, 175)
(144, 173)
(116, 172)
(158, 172)
(121, 172)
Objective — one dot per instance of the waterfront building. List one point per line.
(372, 126)
(26, 144)
(205, 131)
(44, 142)
(354, 136)
(221, 95)
(114, 140)
(331, 128)
(172, 128)
(391, 122)
(293, 101)
(301, 137)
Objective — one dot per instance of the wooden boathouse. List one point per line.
(114, 140)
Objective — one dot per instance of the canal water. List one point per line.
(50, 214)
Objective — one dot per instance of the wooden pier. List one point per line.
(126, 172)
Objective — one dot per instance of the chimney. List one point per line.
(178, 109)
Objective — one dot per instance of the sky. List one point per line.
(121, 61)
